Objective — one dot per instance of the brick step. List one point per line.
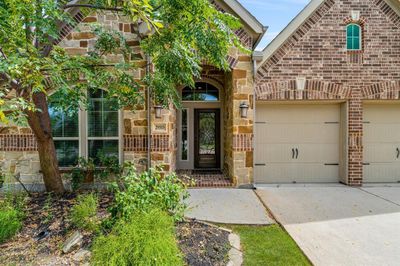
(213, 179)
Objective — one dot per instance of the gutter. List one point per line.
(264, 31)
(257, 57)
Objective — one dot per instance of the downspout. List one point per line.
(257, 57)
(148, 91)
(254, 118)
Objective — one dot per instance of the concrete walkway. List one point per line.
(339, 225)
(227, 206)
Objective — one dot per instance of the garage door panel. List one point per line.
(382, 133)
(379, 113)
(382, 152)
(318, 153)
(293, 152)
(297, 173)
(381, 141)
(297, 133)
(382, 173)
(282, 130)
(274, 153)
(298, 114)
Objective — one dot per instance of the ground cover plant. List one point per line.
(269, 245)
(11, 215)
(143, 239)
(84, 213)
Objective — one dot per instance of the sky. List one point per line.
(275, 14)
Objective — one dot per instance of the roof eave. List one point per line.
(246, 16)
(290, 29)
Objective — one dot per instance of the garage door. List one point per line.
(297, 144)
(381, 143)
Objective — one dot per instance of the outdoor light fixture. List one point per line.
(244, 107)
(158, 110)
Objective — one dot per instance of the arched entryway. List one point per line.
(200, 128)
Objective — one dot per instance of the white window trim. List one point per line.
(187, 137)
(83, 136)
(360, 38)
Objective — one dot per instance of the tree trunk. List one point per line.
(40, 124)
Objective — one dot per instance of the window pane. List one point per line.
(67, 152)
(202, 92)
(102, 116)
(349, 43)
(350, 31)
(356, 31)
(100, 148)
(95, 124)
(184, 142)
(356, 43)
(64, 125)
(56, 122)
(110, 124)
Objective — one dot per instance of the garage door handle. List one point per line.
(398, 153)
(293, 153)
(297, 153)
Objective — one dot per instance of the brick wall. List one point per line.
(317, 51)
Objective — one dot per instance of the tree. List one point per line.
(183, 34)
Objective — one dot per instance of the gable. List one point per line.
(315, 14)
(250, 34)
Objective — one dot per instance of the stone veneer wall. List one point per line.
(238, 145)
(18, 145)
(317, 51)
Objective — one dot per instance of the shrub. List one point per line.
(2, 178)
(84, 213)
(144, 239)
(148, 190)
(10, 223)
(106, 168)
(12, 212)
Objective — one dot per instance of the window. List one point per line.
(354, 37)
(102, 126)
(96, 135)
(185, 132)
(202, 92)
(66, 136)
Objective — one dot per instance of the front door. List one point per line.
(207, 138)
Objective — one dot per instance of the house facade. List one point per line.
(320, 104)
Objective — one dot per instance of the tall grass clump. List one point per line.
(144, 239)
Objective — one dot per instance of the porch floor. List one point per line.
(206, 178)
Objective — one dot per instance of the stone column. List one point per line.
(242, 128)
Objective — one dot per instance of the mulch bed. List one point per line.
(45, 229)
(47, 226)
(203, 244)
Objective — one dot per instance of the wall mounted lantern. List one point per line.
(244, 108)
(158, 110)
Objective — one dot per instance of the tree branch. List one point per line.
(93, 7)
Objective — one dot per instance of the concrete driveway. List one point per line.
(339, 225)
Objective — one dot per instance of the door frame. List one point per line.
(217, 112)
(190, 107)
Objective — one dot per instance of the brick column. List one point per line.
(355, 154)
